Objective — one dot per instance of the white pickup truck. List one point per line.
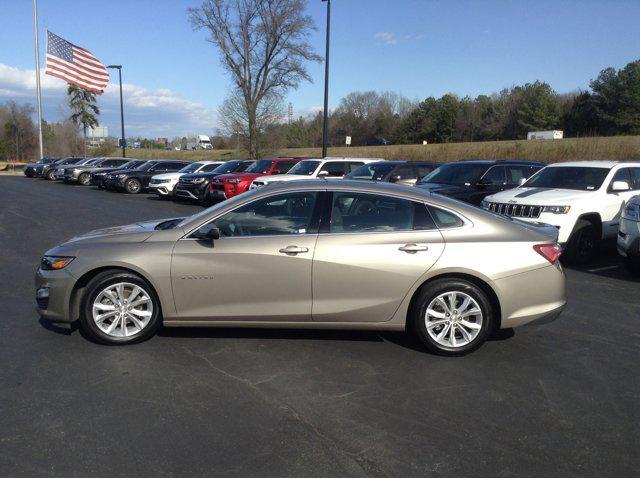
(316, 168)
(583, 199)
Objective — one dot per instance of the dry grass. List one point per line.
(611, 148)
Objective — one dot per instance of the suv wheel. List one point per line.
(133, 186)
(583, 244)
(84, 179)
(451, 317)
(119, 308)
(50, 175)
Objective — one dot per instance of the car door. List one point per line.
(616, 200)
(369, 254)
(259, 268)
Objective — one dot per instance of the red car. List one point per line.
(226, 186)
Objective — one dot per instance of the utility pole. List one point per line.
(123, 142)
(325, 121)
(35, 33)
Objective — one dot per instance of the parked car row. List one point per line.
(586, 201)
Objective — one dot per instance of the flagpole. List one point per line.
(35, 31)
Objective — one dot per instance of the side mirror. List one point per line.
(618, 186)
(323, 174)
(212, 234)
(395, 178)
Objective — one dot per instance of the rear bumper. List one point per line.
(533, 296)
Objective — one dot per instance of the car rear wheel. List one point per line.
(451, 317)
(583, 245)
(119, 308)
(133, 186)
(84, 179)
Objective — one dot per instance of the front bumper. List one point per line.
(58, 286)
(628, 239)
(195, 191)
(70, 178)
(114, 183)
(161, 189)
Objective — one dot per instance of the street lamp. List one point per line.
(325, 121)
(123, 143)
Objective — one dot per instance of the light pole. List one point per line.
(123, 143)
(325, 121)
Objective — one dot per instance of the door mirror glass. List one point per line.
(208, 232)
(323, 174)
(618, 186)
(395, 178)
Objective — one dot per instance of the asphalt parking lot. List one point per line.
(553, 400)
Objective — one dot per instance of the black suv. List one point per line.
(471, 181)
(133, 181)
(196, 186)
(401, 172)
(98, 177)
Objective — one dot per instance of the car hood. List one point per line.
(444, 189)
(540, 196)
(136, 232)
(241, 176)
(167, 176)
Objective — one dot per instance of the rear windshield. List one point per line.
(568, 177)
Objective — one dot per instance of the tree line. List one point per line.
(610, 107)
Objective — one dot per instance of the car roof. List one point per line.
(500, 161)
(593, 164)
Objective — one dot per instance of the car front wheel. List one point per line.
(451, 317)
(133, 186)
(50, 175)
(583, 245)
(84, 179)
(119, 308)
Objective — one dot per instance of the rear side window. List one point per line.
(353, 165)
(361, 212)
(445, 219)
(284, 166)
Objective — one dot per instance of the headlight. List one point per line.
(556, 209)
(632, 211)
(53, 263)
(121, 176)
(234, 181)
(198, 180)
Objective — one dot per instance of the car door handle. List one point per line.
(293, 250)
(413, 248)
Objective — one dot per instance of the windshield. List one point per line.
(305, 168)
(568, 177)
(262, 166)
(190, 168)
(458, 174)
(374, 171)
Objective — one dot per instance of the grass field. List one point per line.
(612, 148)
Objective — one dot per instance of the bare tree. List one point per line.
(263, 46)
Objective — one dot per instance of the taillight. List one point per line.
(550, 252)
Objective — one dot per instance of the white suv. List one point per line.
(163, 184)
(583, 199)
(316, 168)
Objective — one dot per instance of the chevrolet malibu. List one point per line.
(311, 254)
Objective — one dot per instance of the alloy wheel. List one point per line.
(122, 309)
(453, 319)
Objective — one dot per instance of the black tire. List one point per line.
(417, 323)
(583, 245)
(28, 174)
(84, 179)
(50, 175)
(633, 265)
(133, 186)
(99, 283)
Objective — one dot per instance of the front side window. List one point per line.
(494, 177)
(333, 168)
(208, 168)
(569, 177)
(361, 212)
(372, 171)
(190, 168)
(515, 174)
(635, 173)
(283, 214)
(284, 166)
(457, 174)
(405, 172)
(623, 174)
(261, 166)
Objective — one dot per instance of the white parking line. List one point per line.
(599, 269)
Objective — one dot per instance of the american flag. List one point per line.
(75, 65)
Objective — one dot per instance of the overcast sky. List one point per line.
(174, 82)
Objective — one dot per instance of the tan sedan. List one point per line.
(311, 254)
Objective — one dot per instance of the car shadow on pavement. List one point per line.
(608, 264)
(62, 329)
